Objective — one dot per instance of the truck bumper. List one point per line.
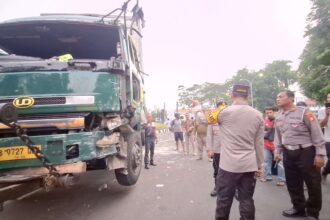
(57, 149)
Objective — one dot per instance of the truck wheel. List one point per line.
(134, 161)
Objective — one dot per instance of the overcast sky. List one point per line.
(194, 41)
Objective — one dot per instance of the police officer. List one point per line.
(213, 147)
(299, 137)
(242, 141)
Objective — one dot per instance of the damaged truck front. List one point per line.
(71, 100)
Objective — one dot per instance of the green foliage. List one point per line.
(205, 93)
(266, 84)
(314, 68)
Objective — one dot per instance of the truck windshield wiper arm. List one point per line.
(54, 65)
(33, 66)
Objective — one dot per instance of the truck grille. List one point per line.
(52, 116)
(42, 101)
(48, 122)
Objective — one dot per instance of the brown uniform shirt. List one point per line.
(213, 140)
(298, 126)
(189, 126)
(200, 124)
(242, 139)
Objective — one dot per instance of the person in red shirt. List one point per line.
(269, 149)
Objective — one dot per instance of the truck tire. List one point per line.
(134, 161)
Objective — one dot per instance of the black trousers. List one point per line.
(216, 161)
(326, 169)
(299, 168)
(227, 183)
(149, 147)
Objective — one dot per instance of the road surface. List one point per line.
(176, 189)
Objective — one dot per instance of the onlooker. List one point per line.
(200, 127)
(189, 133)
(298, 135)
(150, 141)
(301, 103)
(323, 116)
(269, 150)
(176, 127)
(213, 148)
(242, 140)
(168, 123)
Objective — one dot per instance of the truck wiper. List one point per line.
(33, 66)
(112, 65)
(98, 65)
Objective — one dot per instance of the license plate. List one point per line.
(17, 153)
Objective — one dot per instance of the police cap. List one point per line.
(241, 90)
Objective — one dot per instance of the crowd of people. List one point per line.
(245, 145)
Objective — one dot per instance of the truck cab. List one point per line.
(76, 84)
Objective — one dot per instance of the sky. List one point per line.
(188, 42)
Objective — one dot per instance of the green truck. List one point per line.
(71, 99)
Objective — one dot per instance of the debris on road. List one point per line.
(103, 187)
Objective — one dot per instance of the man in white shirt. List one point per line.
(323, 116)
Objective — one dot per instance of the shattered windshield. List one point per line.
(52, 38)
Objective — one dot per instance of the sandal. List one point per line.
(280, 183)
(265, 180)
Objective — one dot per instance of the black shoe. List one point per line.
(146, 166)
(293, 213)
(213, 193)
(152, 164)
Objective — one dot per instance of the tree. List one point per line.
(186, 95)
(314, 68)
(266, 83)
(207, 93)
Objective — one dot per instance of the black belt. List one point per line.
(296, 147)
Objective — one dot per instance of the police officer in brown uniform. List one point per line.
(299, 137)
(242, 143)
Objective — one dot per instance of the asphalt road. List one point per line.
(176, 189)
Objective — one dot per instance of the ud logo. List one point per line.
(23, 102)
